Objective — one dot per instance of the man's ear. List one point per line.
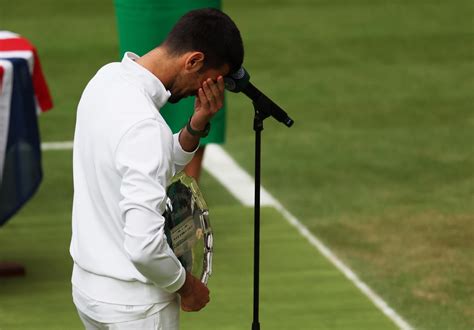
(194, 62)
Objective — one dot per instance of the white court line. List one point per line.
(240, 184)
(67, 145)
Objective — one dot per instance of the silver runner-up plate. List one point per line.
(187, 226)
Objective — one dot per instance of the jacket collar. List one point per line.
(147, 81)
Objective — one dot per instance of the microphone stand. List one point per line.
(264, 107)
(258, 128)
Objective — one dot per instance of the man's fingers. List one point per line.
(208, 91)
(202, 97)
(194, 306)
(213, 94)
(220, 84)
(217, 89)
(214, 89)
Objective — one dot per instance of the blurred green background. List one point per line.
(379, 163)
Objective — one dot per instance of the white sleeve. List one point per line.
(181, 157)
(143, 158)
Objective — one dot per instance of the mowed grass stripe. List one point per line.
(300, 289)
(240, 184)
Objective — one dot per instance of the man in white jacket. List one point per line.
(125, 276)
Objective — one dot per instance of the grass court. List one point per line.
(379, 164)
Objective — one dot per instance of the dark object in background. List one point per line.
(11, 269)
(22, 172)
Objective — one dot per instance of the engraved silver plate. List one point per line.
(187, 226)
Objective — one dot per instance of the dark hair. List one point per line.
(211, 32)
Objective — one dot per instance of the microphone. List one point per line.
(239, 81)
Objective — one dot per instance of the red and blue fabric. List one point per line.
(23, 94)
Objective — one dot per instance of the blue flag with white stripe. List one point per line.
(22, 172)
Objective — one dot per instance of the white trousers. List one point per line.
(165, 319)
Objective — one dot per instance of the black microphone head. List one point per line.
(237, 81)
